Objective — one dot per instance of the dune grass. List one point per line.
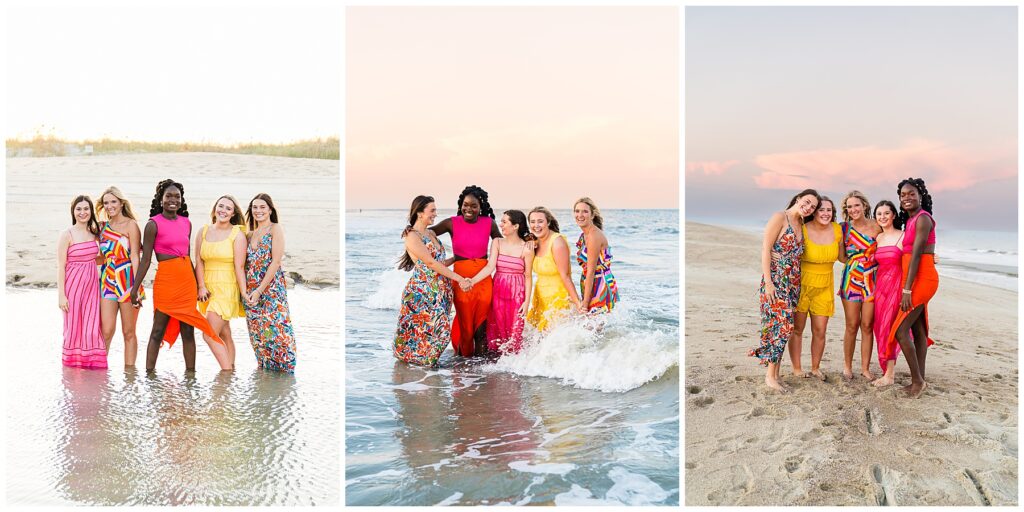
(42, 146)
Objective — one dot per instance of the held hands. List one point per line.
(135, 299)
(466, 284)
(254, 297)
(906, 304)
(62, 303)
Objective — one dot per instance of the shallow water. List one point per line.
(585, 414)
(121, 437)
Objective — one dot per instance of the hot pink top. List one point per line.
(470, 240)
(171, 235)
(910, 232)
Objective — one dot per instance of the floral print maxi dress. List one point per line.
(425, 320)
(270, 324)
(777, 316)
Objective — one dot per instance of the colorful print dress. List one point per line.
(858, 282)
(118, 275)
(777, 316)
(606, 291)
(269, 322)
(425, 320)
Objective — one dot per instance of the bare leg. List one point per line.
(917, 383)
(108, 321)
(220, 351)
(867, 339)
(771, 378)
(920, 342)
(156, 336)
(480, 340)
(818, 326)
(129, 317)
(851, 310)
(890, 375)
(229, 342)
(796, 342)
(188, 346)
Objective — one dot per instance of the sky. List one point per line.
(537, 105)
(197, 72)
(836, 99)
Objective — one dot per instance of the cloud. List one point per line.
(943, 166)
(710, 167)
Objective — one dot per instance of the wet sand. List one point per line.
(305, 192)
(837, 443)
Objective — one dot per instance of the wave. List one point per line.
(387, 290)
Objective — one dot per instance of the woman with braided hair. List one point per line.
(471, 232)
(920, 280)
(175, 291)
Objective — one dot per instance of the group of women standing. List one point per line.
(887, 280)
(232, 253)
(492, 285)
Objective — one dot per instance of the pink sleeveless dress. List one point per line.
(504, 325)
(83, 340)
(888, 292)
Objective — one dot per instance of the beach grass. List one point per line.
(45, 145)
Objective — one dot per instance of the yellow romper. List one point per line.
(550, 298)
(817, 293)
(219, 275)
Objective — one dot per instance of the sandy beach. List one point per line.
(305, 192)
(837, 443)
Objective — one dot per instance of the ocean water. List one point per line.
(122, 437)
(984, 257)
(584, 415)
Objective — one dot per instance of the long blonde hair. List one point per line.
(126, 206)
(863, 199)
(238, 219)
(598, 220)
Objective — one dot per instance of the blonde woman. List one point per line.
(598, 288)
(220, 273)
(121, 245)
(857, 287)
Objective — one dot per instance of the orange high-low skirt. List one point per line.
(471, 307)
(175, 294)
(926, 282)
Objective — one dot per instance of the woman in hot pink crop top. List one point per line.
(174, 288)
(471, 233)
(920, 280)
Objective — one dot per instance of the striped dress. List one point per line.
(83, 340)
(118, 274)
(606, 291)
(858, 283)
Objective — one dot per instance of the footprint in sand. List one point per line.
(982, 496)
(881, 489)
(693, 390)
(793, 463)
(704, 401)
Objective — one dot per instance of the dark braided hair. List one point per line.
(480, 195)
(926, 199)
(155, 208)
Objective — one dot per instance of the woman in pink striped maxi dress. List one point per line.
(78, 286)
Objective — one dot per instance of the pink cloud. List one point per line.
(710, 167)
(945, 167)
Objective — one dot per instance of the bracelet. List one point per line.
(907, 291)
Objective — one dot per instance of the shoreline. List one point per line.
(838, 443)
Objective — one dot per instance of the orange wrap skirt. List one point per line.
(925, 284)
(471, 307)
(175, 295)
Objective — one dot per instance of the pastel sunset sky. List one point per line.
(184, 71)
(779, 99)
(537, 105)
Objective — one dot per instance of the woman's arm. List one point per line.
(842, 246)
(595, 244)
(492, 261)
(495, 232)
(528, 282)
(147, 255)
(203, 294)
(771, 233)
(62, 261)
(418, 251)
(239, 261)
(560, 252)
(134, 243)
(921, 230)
(445, 226)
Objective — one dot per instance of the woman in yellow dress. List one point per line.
(822, 242)
(220, 273)
(554, 288)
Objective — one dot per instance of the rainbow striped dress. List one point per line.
(858, 283)
(118, 274)
(606, 291)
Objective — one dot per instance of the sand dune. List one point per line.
(833, 443)
(305, 191)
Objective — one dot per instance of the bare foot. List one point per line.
(817, 373)
(867, 374)
(800, 373)
(915, 390)
(776, 385)
(884, 380)
(848, 375)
